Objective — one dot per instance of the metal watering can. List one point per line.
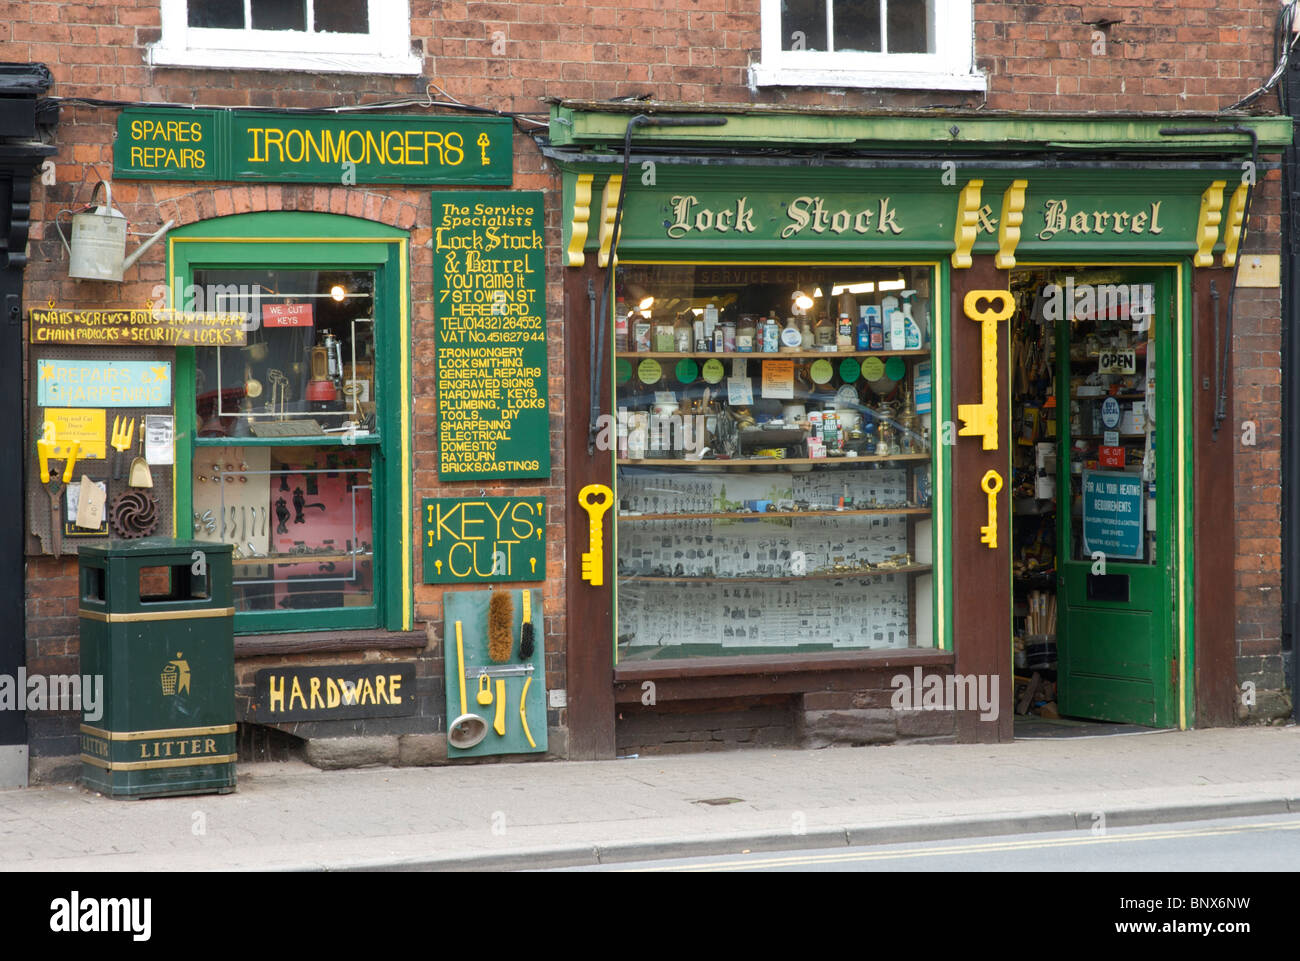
(98, 247)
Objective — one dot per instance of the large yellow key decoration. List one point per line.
(982, 418)
(990, 484)
(595, 499)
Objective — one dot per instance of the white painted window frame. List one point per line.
(386, 49)
(950, 67)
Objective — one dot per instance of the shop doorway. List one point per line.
(1093, 469)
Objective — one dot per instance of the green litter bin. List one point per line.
(158, 625)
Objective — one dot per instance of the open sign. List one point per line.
(1117, 362)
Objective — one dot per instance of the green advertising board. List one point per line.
(217, 145)
(489, 271)
(483, 540)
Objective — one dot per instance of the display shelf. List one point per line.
(771, 578)
(753, 515)
(768, 461)
(764, 355)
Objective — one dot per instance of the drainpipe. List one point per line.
(1290, 399)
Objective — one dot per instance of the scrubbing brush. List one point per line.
(501, 612)
(526, 629)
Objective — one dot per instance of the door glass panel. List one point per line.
(1110, 342)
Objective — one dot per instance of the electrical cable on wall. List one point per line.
(428, 102)
(1284, 39)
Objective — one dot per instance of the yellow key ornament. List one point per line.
(990, 484)
(595, 499)
(982, 418)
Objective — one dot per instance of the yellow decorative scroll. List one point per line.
(1234, 231)
(968, 213)
(1013, 215)
(608, 205)
(982, 418)
(1207, 224)
(581, 217)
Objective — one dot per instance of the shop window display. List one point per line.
(773, 482)
(298, 512)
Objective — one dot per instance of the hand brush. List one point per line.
(501, 612)
(526, 629)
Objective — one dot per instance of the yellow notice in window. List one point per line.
(778, 379)
(83, 425)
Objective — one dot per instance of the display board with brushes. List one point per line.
(496, 673)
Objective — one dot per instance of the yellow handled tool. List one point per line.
(484, 689)
(523, 715)
(499, 722)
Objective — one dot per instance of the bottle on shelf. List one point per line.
(710, 324)
(683, 333)
(745, 335)
(912, 335)
(771, 336)
(877, 331)
(823, 333)
(844, 334)
(791, 338)
(664, 337)
(864, 326)
(621, 319)
(806, 341)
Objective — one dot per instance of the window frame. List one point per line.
(307, 240)
(954, 44)
(384, 50)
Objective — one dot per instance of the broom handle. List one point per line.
(528, 606)
(460, 669)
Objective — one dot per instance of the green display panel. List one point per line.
(483, 540)
(490, 314)
(214, 145)
(470, 608)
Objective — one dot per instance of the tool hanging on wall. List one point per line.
(55, 484)
(468, 729)
(501, 614)
(139, 474)
(133, 514)
(526, 628)
(499, 722)
(123, 432)
(523, 713)
(484, 690)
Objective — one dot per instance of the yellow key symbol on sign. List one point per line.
(982, 418)
(990, 484)
(595, 499)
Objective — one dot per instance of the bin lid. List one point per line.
(153, 546)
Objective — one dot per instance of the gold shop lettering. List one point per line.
(806, 214)
(1057, 217)
(177, 747)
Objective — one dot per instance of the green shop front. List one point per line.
(908, 421)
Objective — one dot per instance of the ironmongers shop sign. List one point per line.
(214, 145)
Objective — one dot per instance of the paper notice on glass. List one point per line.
(778, 379)
(740, 392)
(158, 435)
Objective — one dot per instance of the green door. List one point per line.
(1116, 472)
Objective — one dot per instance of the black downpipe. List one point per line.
(607, 294)
(1290, 88)
(1221, 360)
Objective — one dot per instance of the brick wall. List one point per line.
(1164, 55)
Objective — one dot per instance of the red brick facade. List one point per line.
(1162, 56)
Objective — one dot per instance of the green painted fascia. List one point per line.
(926, 133)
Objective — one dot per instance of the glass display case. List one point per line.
(773, 459)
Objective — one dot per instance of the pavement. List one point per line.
(290, 816)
